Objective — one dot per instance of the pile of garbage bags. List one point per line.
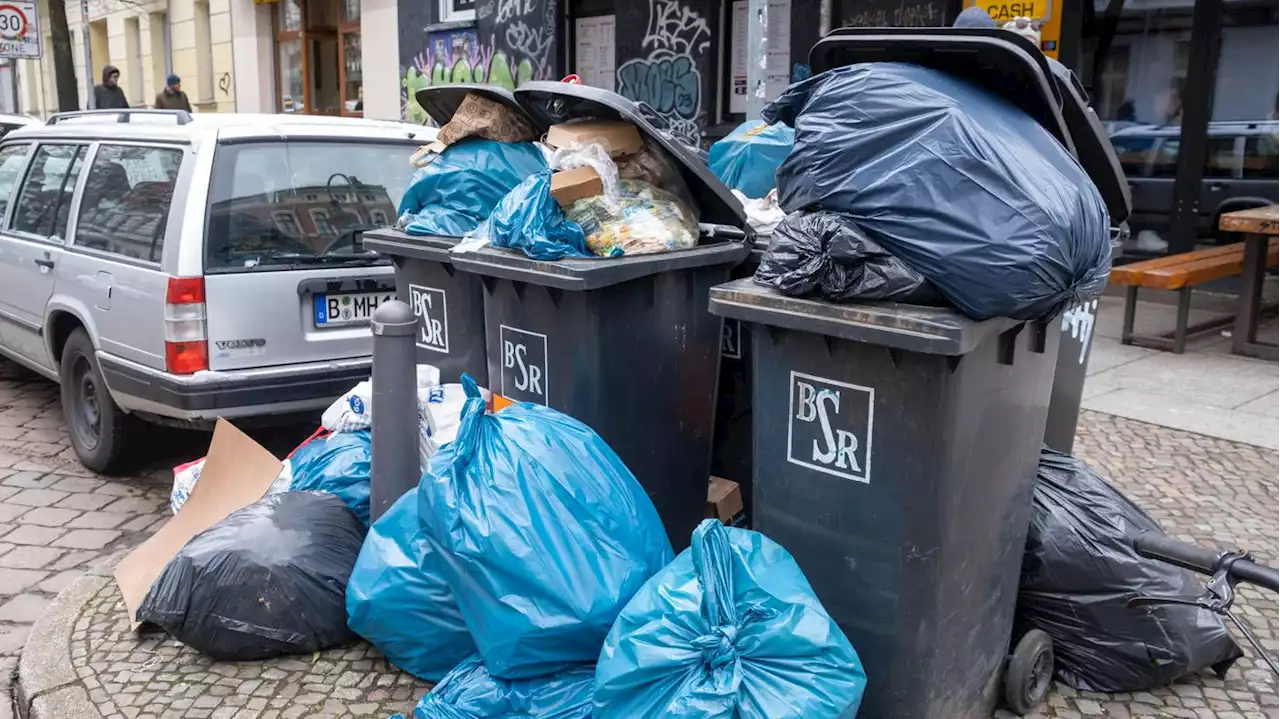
(516, 571)
(1080, 572)
(957, 186)
(272, 578)
(588, 188)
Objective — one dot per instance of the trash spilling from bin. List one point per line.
(269, 579)
(963, 187)
(731, 628)
(1081, 572)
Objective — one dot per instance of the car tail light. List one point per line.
(186, 346)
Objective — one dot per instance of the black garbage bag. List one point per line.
(268, 580)
(825, 255)
(1080, 571)
(962, 186)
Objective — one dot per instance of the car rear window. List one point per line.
(1261, 158)
(285, 205)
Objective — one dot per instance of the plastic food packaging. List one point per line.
(270, 579)
(470, 692)
(653, 165)
(339, 464)
(1078, 574)
(747, 158)
(398, 600)
(354, 410)
(763, 214)
(457, 190)
(645, 219)
(185, 477)
(541, 531)
(825, 255)
(962, 186)
(730, 630)
(530, 220)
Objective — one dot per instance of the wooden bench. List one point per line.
(1180, 273)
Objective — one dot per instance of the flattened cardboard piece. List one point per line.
(237, 472)
(618, 138)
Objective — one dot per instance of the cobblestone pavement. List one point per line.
(57, 520)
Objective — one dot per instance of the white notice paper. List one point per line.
(594, 51)
(738, 47)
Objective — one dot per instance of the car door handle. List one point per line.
(45, 264)
(1217, 187)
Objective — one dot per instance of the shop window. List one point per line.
(320, 62)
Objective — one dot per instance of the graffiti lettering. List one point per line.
(925, 14)
(525, 40)
(668, 78)
(509, 9)
(484, 10)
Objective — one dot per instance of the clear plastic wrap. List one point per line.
(645, 219)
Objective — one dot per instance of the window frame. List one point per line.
(73, 210)
(447, 13)
(74, 224)
(22, 174)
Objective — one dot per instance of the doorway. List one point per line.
(319, 63)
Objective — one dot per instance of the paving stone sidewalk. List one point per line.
(58, 523)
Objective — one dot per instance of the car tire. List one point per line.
(98, 429)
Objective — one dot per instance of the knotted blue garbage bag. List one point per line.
(338, 464)
(398, 600)
(542, 532)
(470, 692)
(529, 220)
(956, 182)
(730, 630)
(453, 194)
(747, 159)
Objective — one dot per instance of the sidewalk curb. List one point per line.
(48, 686)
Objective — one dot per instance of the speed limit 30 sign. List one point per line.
(19, 29)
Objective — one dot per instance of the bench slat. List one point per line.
(1201, 271)
(1131, 274)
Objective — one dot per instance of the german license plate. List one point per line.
(340, 310)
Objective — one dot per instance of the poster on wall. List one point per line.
(777, 66)
(738, 67)
(594, 51)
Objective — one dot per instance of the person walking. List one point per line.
(109, 95)
(172, 97)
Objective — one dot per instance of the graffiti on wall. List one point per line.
(458, 56)
(668, 78)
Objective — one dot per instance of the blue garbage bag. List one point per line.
(542, 532)
(747, 159)
(967, 189)
(338, 464)
(470, 692)
(730, 630)
(456, 192)
(398, 600)
(529, 220)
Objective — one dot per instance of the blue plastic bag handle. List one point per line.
(711, 557)
(473, 414)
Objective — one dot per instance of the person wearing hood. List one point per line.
(172, 97)
(109, 95)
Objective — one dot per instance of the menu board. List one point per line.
(594, 51)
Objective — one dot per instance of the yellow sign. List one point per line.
(1041, 12)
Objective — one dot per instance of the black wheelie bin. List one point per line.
(448, 305)
(895, 447)
(624, 345)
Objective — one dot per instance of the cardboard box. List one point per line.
(237, 472)
(569, 186)
(724, 501)
(619, 138)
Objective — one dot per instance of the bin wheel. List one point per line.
(1030, 672)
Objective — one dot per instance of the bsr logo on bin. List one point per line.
(428, 305)
(830, 426)
(524, 365)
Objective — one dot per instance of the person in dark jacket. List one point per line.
(172, 97)
(109, 95)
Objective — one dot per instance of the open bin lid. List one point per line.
(1093, 147)
(1004, 63)
(550, 103)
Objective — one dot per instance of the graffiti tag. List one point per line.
(668, 79)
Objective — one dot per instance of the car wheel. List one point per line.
(98, 428)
